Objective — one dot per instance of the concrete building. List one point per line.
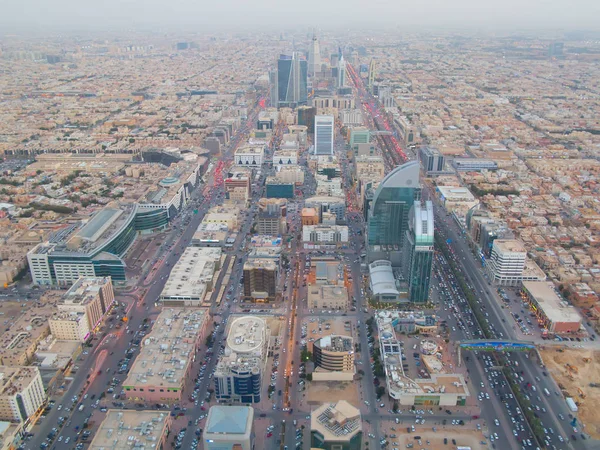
(507, 262)
(191, 277)
(237, 185)
(162, 368)
(309, 216)
(69, 326)
(336, 426)
(285, 157)
(382, 282)
(325, 234)
(324, 134)
(333, 357)
(290, 174)
(359, 135)
(335, 205)
(432, 160)
(92, 297)
(210, 235)
(229, 428)
(260, 279)
(127, 428)
(457, 199)
(474, 164)
(439, 390)
(21, 393)
(327, 297)
(249, 156)
(272, 214)
(553, 312)
(238, 375)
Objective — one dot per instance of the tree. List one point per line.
(309, 377)
(396, 406)
(380, 392)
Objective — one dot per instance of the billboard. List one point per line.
(497, 346)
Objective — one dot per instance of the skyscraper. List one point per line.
(342, 72)
(371, 75)
(291, 81)
(419, 251)
(314, 57)
(324, 129)
(389, 212)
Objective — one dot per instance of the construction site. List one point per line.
(576, 371)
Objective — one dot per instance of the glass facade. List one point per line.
(151, 219)
(389, 210)
(420, 241)
(292, 80)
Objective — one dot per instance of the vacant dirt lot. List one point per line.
(579, 377)
(331, 391)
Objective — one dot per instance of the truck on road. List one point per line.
(571, 404)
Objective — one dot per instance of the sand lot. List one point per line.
(320, 392)
(571, 380)
(463, 437)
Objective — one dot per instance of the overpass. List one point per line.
(493, 345)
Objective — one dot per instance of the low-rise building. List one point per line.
(239, 372)
(276, 188)
(191, 277)
(507, 262)
(333, 357)
(382, 281)
(327, 297)
(21, 392)
(69, 326)
(285, 157)
(325, 234)
(553, 312)
(336, 426)
(474, 164)
(458, 199)
(127, 428)
(92, 296)
(229, 427)
(250, 156)
(162, 368)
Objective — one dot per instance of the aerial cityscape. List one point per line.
(300, 239)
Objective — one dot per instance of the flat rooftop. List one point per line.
(14, 379)
(336, 421)
(247, 334)
(125, 429)
(192, 274)
(167, 350)
(334, 343)
(250, 150)
(85, 289)
(553, 306)
(509, 245)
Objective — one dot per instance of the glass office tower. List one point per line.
(389, 209)
(292, 80)
(419, 251)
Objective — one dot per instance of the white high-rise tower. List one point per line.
(342, 72)
(314, 57)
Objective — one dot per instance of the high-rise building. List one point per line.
(21, 393)
(324, 130)
(342, 73)
(388, 215)
(239, 371)
(432, 160)
(314, 57)
(260, 279)
(419, 242)
(507, 262)
(371, 74)
(291, 81)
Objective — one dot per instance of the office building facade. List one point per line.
(420, 242)
(324, 132)
(21, 393)
(292, 81)
(260, 279)
(432, 160)
(507, 262)
(388, 215)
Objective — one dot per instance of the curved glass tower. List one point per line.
(389, 210)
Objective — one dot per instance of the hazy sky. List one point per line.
(279, 14)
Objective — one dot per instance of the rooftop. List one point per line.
(336, 421)
(509, 245)
(382, 278)
(125, 429)
(334, 343)
(85, 289)
(554, 307)
(168, 348)
(246, 334)
(14, 379)
(229, 420)
(192, 274)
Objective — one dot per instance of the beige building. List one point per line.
(92, 296)
(333, 357)
(327, 297)
(69, 326)
(229, 427)
(21, 393)
(336, 426)
(123, 429)
(160, 371)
